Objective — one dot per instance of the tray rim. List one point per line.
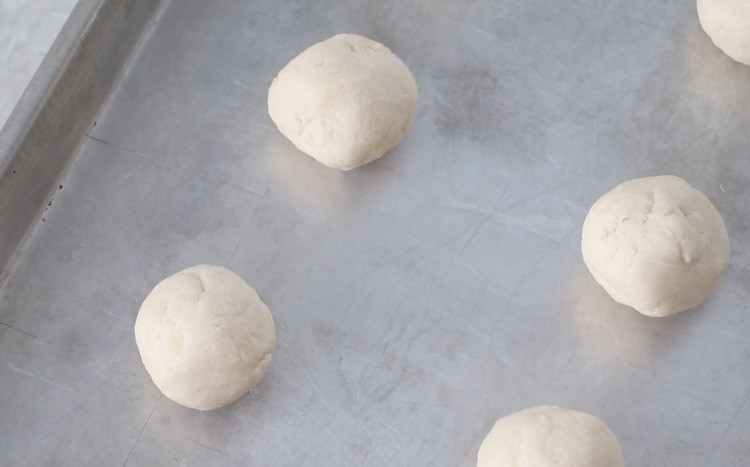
(39, 140)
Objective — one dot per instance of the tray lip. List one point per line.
(36, 144)
(37, 94)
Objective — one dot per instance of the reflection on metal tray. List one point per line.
(417, 298)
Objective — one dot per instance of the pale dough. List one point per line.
(550, 436)
(655, 244)
(205, 337)
(345, 101)
(727, 23)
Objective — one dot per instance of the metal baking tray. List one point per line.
(417, 298)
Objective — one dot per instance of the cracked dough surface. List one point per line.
(205, 337)
(655, 244)
(727, 23)
(345, 101)
(550, 436)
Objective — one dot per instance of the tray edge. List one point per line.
(59, 107)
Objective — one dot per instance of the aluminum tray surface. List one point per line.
(418, 298)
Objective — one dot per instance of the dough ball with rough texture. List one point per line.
(205, 337)
(727, 23)
(549, 436)
(655, 244)
(345, 101)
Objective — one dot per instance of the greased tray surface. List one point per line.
(418, 298)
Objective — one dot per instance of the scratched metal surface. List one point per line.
(418, 298)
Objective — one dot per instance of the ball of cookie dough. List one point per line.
(550, 436)
(205, 337)
(345, 101)
(655, 244)
(727, 23)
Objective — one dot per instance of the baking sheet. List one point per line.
(418, 298)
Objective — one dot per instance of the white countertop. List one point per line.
(27, 30)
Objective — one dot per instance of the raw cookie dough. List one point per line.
(727, 23)
(655, 244)
(205, 337)
(549, 436)
(345, 101)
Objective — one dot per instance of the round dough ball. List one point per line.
(727, 23)
(205, 337)
(655, 244)
(549, 436)
(345, 101)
